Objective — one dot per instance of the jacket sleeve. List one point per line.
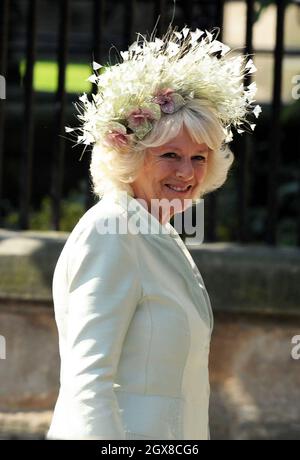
(104, 290)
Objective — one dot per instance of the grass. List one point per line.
(46, 76)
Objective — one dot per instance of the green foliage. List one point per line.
(41, 219)
(72, 209)
(46, 76)
(291, 113)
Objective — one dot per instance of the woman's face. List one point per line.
(174, 170)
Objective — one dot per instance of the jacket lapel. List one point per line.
(151, 226)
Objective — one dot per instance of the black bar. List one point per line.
(28, 126)
(129, 22)
(98, 27)
(97, 52)
(275, 129)
(4, 20)
(211, 219)
(211, 200)
(220, 17)
(160, 11)
(187, 7)
(246, 145)
(212, 204)
(60, 99)
(298, 210)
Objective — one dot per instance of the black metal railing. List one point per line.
(28, 124)
(275, 131)
(60, 109)
(203, 14)
(4, 20)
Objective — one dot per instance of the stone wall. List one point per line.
(255, 294)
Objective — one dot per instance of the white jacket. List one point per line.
(134, 322)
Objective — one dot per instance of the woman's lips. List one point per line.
(177, 189)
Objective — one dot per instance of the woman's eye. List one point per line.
(200, 158)
(175, 155)
(170, 155)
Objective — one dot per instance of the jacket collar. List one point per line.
(140, 219)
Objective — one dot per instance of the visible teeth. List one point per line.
(177, 189)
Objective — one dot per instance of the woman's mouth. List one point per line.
(177, 189)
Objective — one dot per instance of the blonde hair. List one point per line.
(111, 169)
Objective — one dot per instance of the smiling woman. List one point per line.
(176, 169)
(133, 314)
(192, 129)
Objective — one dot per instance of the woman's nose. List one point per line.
(185, 170)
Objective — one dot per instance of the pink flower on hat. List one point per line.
(117, 136)
(140, 120)
(168, 100)
(139, 116)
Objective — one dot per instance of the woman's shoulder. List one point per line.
(105, 210)
(105, 221)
